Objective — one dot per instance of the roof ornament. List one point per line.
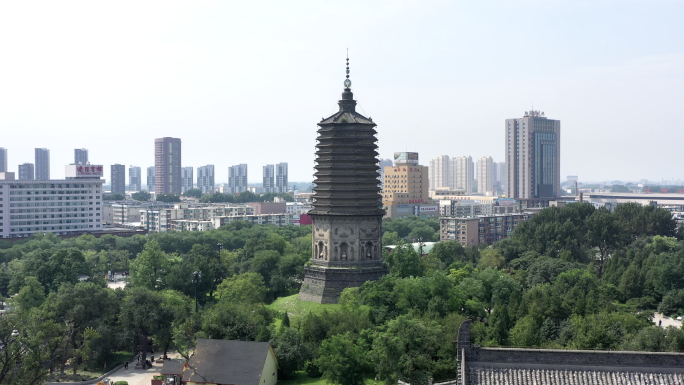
(347, 82)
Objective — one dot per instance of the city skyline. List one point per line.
(410, 59)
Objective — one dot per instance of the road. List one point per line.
(667, 321)
(139, 376)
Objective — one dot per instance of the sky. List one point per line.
(247, 81)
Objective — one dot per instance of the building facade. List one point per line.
(440, 172)
(26, 171)
(150, 179)
(281, 178)
(167, 166)
(134, 178)
(462, 172)
(3, 159)
(269, 178)
(187, 179)
(205, 179)
(64, 206)
(347, 215)
(80, 156)
(485, 176)
(406, 187)
(237, 178)
(533, 157)
(118, 182)
(42, 164)
(477, 230)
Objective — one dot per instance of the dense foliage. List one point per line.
(573, 277)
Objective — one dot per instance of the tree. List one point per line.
(142, 196)
(448, 252)
(412, 351)
(403, 261)
(193, 192)
(291, 352)
(167, 198)
(147, 270)
(341, 360)
(53, 266)
(113, 197)
(672, 303)
(142, 316)
(31, 295)
(619, 188)
(604, 233)
(243, 288)
(228, 320)
(491, 257)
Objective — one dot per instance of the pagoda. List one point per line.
(347, 213)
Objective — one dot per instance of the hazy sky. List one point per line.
(247, 81)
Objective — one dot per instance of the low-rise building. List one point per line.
(160, 220)
(263, 219)
(473, 208)
(268, 207)
(298, 208)
(476, 230)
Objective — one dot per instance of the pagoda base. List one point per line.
(325, 284)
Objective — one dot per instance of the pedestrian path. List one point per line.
(139, 376)
(666, 321)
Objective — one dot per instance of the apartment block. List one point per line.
(237, 179)
(80, 156)
(187, 178)
(205, 179)
(150, 178)
(474, 231)
(118, 182)
(134, 178)
(167, 164)
(26, 171)
(3, 159)
(462, 171)
(485, 176)
(42, 164)
(281, 178)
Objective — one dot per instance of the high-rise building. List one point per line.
(500, 177)
(150, 178)
(188, 179)
(237, 179)
(205, 179)
(533, 156)
(406, 186)
(347, 217)
(281, 178)
(462, 172)
(3, 159)
(26, 171)
(439, 172)
(382, 164)
(134, 178)
(485, 175)
(80, 156)
(167, 164)
(118, 179)
(269, 178)
(42, 164)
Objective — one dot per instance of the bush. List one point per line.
(121, 383)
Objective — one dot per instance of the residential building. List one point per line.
(26, 171)
(533, 157)
(446, 193)
(269, 178)
(406, 187)
(70, 205)
(439, 172)
(484, 229)
(382, 164)
(268, 207)
(462, 173)
(298, 208)
(281, 178)
(263, 219)
(485, 176)
(150, 179)
(167, 166)
(499, 172)
(474, 208)
(205, 179)
(128, 211)
(187, 179)
(118, 179)
(80, 156)
(160, 219)
(237, 179)
(42, 164)
(134, 178)
(3, 159)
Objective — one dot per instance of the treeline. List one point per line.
(572, 277)
(243, 197)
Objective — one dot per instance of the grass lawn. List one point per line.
(296, 308)
(301, 378)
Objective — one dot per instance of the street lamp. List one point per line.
(196, 278)
(219, 247)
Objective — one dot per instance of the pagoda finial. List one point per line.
(347, 82)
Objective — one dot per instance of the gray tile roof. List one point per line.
(173, 367)
(227, 362)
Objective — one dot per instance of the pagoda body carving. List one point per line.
(347, 214)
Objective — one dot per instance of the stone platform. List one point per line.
(325, 284)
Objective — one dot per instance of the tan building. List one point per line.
(406, 186)
(486, 229)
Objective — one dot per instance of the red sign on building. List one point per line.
(663, 190)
